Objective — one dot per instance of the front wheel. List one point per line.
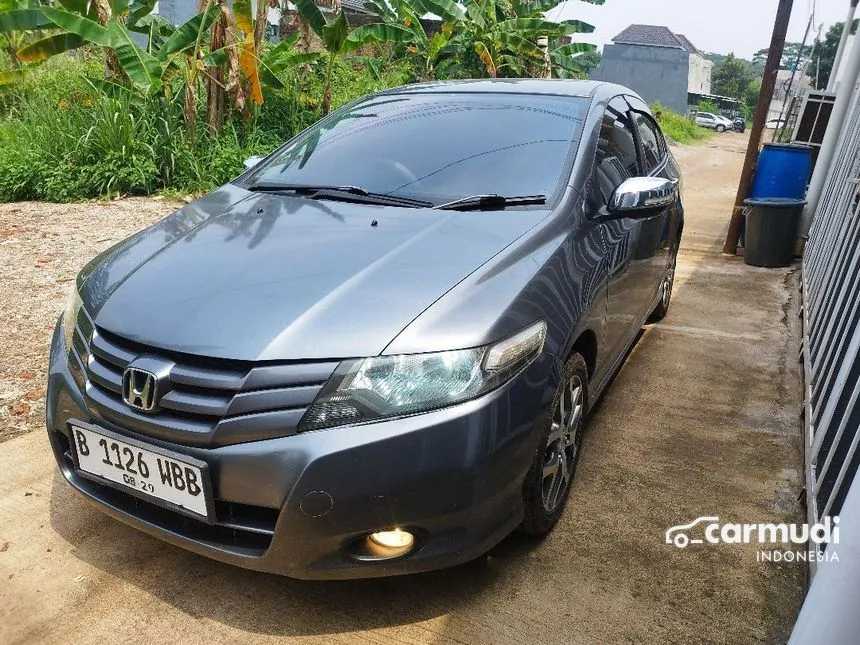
(547, 484)
(666, 285)
(721, 128)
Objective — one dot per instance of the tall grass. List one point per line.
(678, 127)
(62, 141)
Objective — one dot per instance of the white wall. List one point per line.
(700, 75)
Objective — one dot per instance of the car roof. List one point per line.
(552, 86)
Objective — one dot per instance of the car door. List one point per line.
(657, 233)
(706, 120)
(617, 160)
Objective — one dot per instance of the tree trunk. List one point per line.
(326, 102)
(216, 93)
(260, 25)
(113, 69)
(284, 22)
(189, 104)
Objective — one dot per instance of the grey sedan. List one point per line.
(374, 352)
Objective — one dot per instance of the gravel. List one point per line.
(42, 248)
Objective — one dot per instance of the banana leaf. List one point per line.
(87, 29)
(577, 27)
(335, 33)
(139, 9)
(378, 33)
(248, 54)
(521, 45)
(50, 46)
(143, 69)
(189, 33)
(445, 9)
(23, 20)
(486, 58)
(286, 45)
(574, 48)
(115, 91)
(312, 14)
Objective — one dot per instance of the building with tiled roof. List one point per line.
(658, 64)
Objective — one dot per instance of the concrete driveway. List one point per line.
(701, 420)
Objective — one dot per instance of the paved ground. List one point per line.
(702, 420)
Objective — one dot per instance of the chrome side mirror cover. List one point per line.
(250, 162)
(641, 197)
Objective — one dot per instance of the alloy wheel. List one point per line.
(562, 447)
(668, 281)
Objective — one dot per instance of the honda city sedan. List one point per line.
(373, 352)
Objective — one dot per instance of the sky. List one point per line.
(745, 26)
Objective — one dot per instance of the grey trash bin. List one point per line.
(771, 231)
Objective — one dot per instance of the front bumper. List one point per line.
(295, 505)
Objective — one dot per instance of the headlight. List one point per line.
(389, 386)
(70, 315)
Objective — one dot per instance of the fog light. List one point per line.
(394, 539)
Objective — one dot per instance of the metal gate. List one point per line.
(831, 343)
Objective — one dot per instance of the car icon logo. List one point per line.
(677, 534)
(139, 389)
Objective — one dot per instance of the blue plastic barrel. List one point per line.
(782, 171)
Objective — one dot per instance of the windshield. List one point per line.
(436, 147)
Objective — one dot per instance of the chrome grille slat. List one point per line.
(207, 378)
(204, 404)
(104, 349)
(161, 426)
(259, 426)
(269, 376)
(260, 400)
(208, 405)
(103, 375)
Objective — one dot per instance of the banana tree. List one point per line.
(478, 37)
(334, 39)
(402, 26)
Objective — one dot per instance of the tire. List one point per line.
(545, 491)
(662, 308)
(721, 128)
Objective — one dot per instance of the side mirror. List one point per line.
(642, 197)
(250, 162)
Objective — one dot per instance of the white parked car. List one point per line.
(713, 121)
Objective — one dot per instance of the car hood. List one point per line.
(249, 276)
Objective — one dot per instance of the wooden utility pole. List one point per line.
(768, 84)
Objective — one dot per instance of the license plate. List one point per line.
(168, 479)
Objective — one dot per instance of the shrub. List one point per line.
(62, 141)
(678, 127)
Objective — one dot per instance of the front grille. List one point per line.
(239, 528)
(212, 402)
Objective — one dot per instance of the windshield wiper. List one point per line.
(339, 193)
(490, 202)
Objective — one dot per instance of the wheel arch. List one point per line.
(586, 346)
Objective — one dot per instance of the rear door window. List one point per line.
(653, 144)
(616, 151)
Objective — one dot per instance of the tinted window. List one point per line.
(652, 141)
(616, 153)
(437, 147)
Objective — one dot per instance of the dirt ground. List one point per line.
(701, 420)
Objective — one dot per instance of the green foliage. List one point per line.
(119, 118)
(708, 106)
(824, 52)
(61, 139)
(788, 60)
(678, 127)
(731, 78)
